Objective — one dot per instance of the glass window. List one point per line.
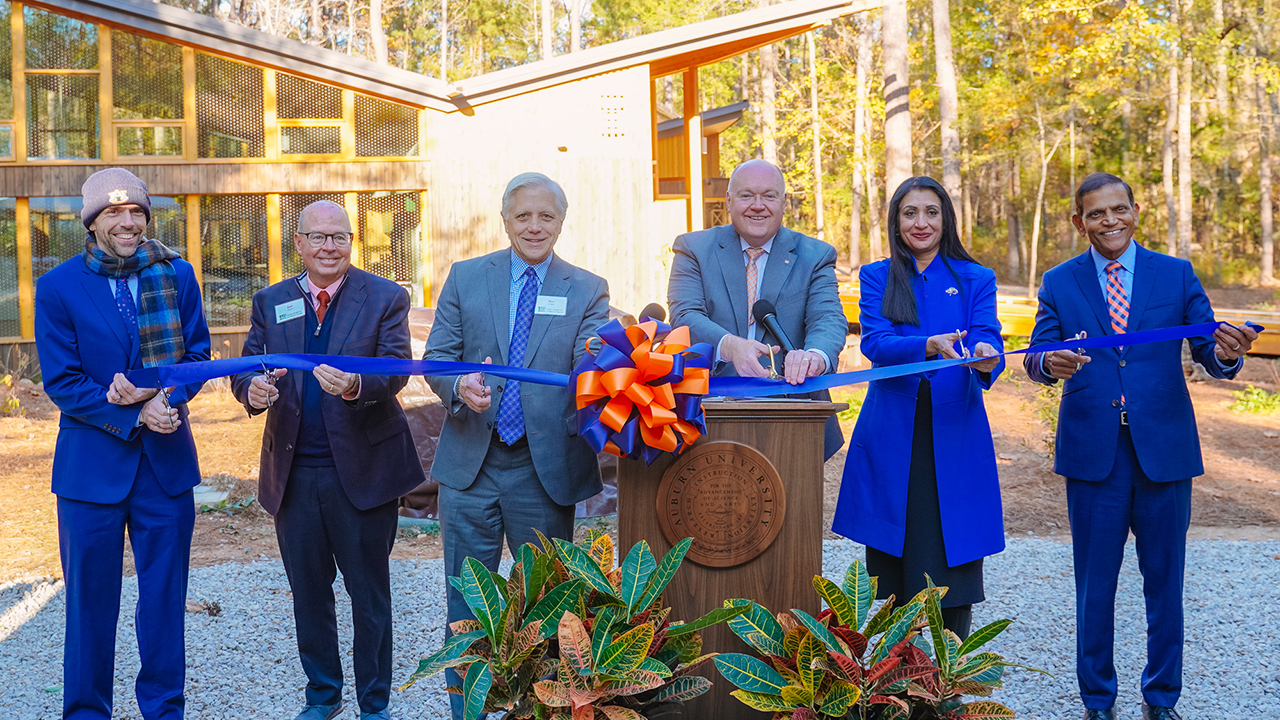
(6, 142)
(163, 140)
(291, 206)
(6, 64)
(391, 234)
(300, 99)
(229, 108)
(62, 116)
(57, 42)
(311, 140)
(57, 232)
(233, 246)
(169, 222)
(385, 129)
(10, 317)
(146, 78)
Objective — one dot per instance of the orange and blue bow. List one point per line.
(641, 394)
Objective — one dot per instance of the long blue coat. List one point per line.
(872, 509)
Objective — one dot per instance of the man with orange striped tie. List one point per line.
(1127, 441)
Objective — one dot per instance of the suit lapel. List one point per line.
(1144, 279)
(1087, 278)
(734, 271)
(351, 301)
(98, 289)
(293, 332)
(499, 278)
(778, 269)
(556, 285)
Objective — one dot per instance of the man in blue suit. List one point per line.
(336, 454)
(1127, 440)
(510, 462)
(719, 274)
(125, 457)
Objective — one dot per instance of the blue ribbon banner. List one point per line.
(185, 373)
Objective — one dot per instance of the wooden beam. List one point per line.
(428, 266)
(195, 255)
(714, 54)
(352, 203)
(106, 96)
(18, 32)
(271, 139)
(693, 138)
(26, 283)
(653, 132)
(275, 256)
(348, 125)
(190, 130)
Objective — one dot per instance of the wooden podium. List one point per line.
(750, 494)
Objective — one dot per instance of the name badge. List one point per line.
(551, 305)
(290, 310)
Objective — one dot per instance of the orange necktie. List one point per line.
(322, 305)
(753, 281)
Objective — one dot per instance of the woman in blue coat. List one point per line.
(920, 488)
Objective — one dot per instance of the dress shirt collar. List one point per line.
(1127, 259)
(518, 266)
(313, 290)
(767, 247)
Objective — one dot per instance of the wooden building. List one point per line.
(235, 130)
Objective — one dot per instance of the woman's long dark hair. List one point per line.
(899, 304)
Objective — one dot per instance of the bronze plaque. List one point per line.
(728, 497)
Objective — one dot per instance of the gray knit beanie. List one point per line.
(113, 186)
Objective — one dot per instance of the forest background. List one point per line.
(1009, 103)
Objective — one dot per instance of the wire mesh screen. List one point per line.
(385, 129)
(169, 222)
(291, 206)
(299, 99)
(62, 116)
(146, 78)
(6, 66)
(311, 140)
(57, 42)
(229, 108)
(10, 318)
(233, 246)
(57, 233)
(391, 235)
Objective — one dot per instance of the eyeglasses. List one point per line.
(769, 198)
(317, 240)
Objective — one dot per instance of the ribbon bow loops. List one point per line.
(644, 384)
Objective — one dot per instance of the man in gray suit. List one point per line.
(512, 463)
(719, 274)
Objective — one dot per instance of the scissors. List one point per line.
(164, 397)
(266, 373)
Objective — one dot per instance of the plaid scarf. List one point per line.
(159, 323)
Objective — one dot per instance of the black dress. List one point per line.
(924, 550)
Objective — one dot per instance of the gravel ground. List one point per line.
(243, 663)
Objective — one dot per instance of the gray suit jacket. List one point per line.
(708, 292)
(471, 324)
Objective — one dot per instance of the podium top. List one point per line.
(776, 408)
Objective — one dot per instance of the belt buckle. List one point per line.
(1124, 417)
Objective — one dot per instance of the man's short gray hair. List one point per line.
(534, 180)
(317, 205)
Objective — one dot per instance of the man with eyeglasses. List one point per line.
(336, 454)
(719, 274)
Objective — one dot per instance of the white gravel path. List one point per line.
(243, 663)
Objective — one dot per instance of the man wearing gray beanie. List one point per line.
(125, 458)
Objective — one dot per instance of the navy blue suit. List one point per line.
(1127, 474)
(109, 473)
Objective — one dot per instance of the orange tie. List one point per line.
(322, 305)
(753, 281)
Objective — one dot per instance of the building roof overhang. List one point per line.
(714, 121)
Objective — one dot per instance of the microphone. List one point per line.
(653, 311)
(766, 315)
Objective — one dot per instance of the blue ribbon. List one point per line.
(184, 373)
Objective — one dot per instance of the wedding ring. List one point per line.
(1237, 347)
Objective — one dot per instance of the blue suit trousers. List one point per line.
(1102, 514)
(91, 540)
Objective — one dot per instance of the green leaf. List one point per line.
(665, 571)
(749, 673)
(628, 651)
(680, 649)
(553, 605)
(535, 568)
(482, 596)
(810, 649)
(985, 710)
(797, 696)
(714, 617)
(880, 621)
(636, 570)
(757, 627)
(682, 689)
(839, 603)
(581, 566)
(602, 633)
(652, 665)
(941, 652)
(451, 655)
(839, 698)
(904, 620)
(983, 635)
(977, 664)
(767, 702)
(820, 631)
(475, 689)
(860, 588)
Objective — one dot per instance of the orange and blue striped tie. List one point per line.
(1117, 302)
(753, 280)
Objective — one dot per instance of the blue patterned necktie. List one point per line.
(124, 301)
(510, 414)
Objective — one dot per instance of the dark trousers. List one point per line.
(506, 501)
(321, 532)
(91, 541)
(1102, 514)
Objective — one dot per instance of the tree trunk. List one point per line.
(875, 210)
(948, 102)
(575, 25)
(1264, 183)
(1170, 128)
(815, 122)
(768, 108)
(1222, 87)
(966, 193)
(1014, 264)
(861, 70)
(897, 95)
(547, 39)
(1071, 232)
(1185, 230)
(377, 33)
(1035, 227)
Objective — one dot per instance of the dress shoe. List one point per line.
(1155, 712)
(383, 714)
(320, 712)
(1108, 714)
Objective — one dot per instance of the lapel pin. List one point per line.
(952, 291)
